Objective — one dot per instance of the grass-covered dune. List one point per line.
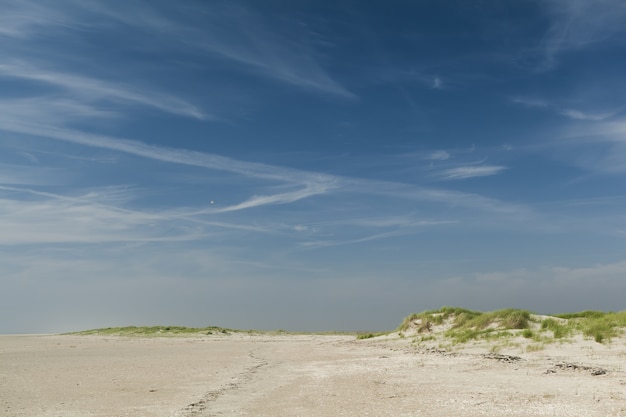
(164, 331)
(461, 325)
(448, 324)
(155, 331)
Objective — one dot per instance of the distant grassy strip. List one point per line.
(155, 331)
(369, 335)
(163, 331)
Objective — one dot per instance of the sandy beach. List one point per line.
(303, 375)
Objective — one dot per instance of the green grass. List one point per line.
(559, 330)
(603, 328)
(587, 314)
(155, 331)
(467, 325)
(165, 331)
(535, 347)
(436, 317)
(504, 319)
(598, 325)
(463, 326)
(368, 335)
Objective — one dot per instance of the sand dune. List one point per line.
(305, 375)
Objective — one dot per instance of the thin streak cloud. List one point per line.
(383, 235)
(579, 115)
(466, 172)
(439, 156)
(579, 24)
(240, 35)
(90, 89)
(570, 113)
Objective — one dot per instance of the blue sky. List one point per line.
(308, 165)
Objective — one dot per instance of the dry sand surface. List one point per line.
(303, 375)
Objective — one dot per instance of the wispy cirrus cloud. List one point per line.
(76, 219)
(239, 35)
(437, 82)
(570, 113)
(82, 88)
(579, 115)
(22, 19)
(178, 156)
(438, 156)
(300, 184)
(97, 215)
(406, 228)
(29, 175)
(293, 186)
(466, 172)
(311, 183)
(598, 147)
(280, 198)
(578, 24)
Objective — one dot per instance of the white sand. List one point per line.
(286, 375)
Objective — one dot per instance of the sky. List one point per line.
(308, 165)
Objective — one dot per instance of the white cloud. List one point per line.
(368, 238)
(237, 34)
(65, 220)
(578, 24)
(530, 102)
(281, 198)
(30, 157)
(23, 18)
(466, 172)
(97, 216)
(438, 156)
(37, 175)
(570, 113)
(86, 89)
(579, 115)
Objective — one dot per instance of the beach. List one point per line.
(249, 374)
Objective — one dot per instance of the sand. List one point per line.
(303, 375)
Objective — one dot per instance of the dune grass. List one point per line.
(461, 326)
(362, 336)
(598, 325)
(173, 331)
(464, 325)
(155, 331)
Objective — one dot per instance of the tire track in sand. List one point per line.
(201, 408)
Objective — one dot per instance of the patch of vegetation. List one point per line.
(435, 317)
(467, 325)
(535, 347)
(427, 338)
(587, 314)
(559, 330)
(368, 335)
(598, 325)
(164, 331)
(501, 319)
(154, 331)
(603, 328)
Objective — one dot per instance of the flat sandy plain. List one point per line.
(303, 375)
